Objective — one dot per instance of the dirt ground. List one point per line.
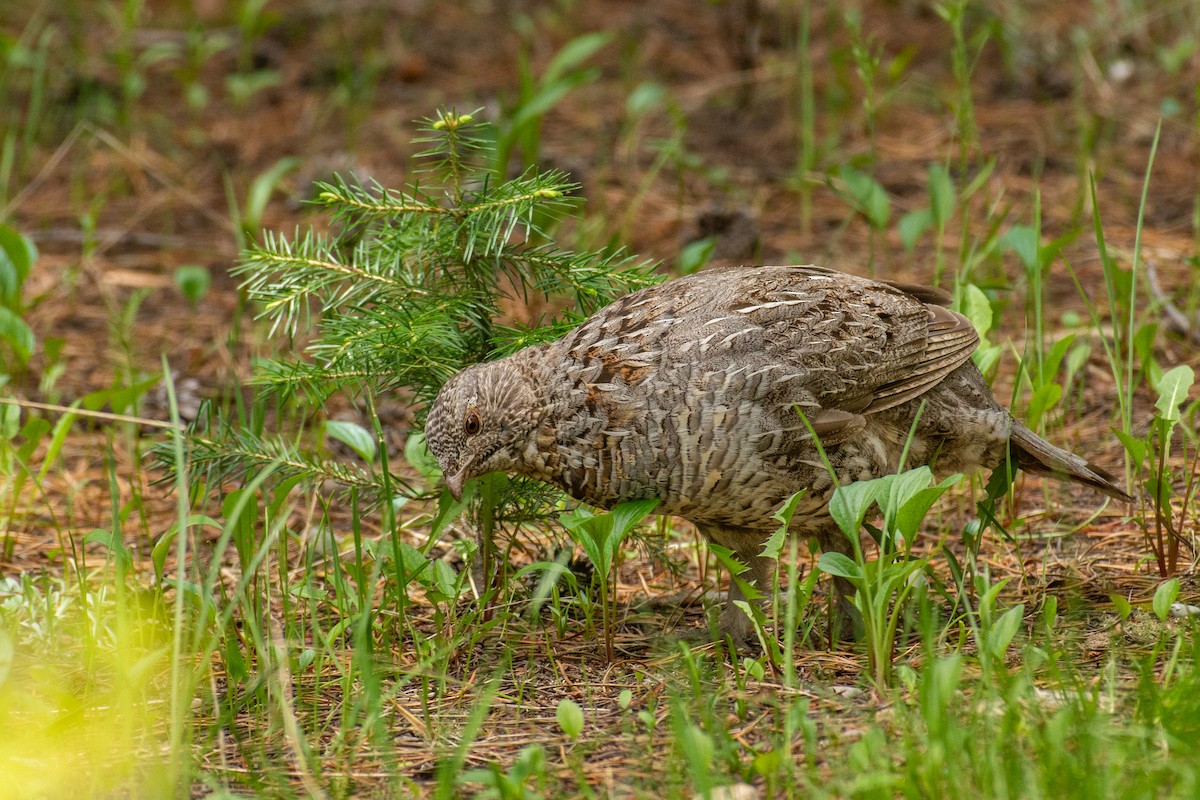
(116, 204)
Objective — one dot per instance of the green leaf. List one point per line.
(193, 281)
(695, 255)
(18, 335)
(1044, 398)
(912, 225)
(697, 748)
(417, 454)
(17, 256)
(570, 717)
(32, 432)
(897, 489)
(626, 516)
(913, 511)
(591, 532)
(1003, 630)
(162, 547)
(10, 421)
(774, 545)
(1022, 240)
(941, 194)
(976, 307)
(1122, 605)
(261, 189)
(841, 565)
(355, 436)
(122, 555)
(1136, 448)
(1053, 360)
(646, 96)
(850, 503)
(1173, 391)
(574, 53)
(62, 429)
(866, 194)
(450, 509)
(1164, 596)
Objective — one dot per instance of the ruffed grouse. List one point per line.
(687, 391)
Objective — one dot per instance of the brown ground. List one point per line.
(154, 195)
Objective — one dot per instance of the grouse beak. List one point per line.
(455, 483)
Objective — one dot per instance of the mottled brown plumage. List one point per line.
(688, 392)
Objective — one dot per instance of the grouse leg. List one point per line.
(847, 622)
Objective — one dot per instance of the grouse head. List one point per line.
(480, 422)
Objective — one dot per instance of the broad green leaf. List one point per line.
(912, 225)
(112, 541)
(850, 503)
(898, 488)
(1003, 630)
(1173, 391)
(627, 515)
(574, 53)
(415, 564)
(162, 547)
(7, 653)
(445, 579)
(591, 532)
(941, 194)
(570, 717)
(841, 565)
(695, 255)
(697, 747)
(646, 96)
(17, 255)
(120, 398)
(976, 307)
(17, 334)
(912, 513)
(193, 281)
(1136, 448)
(416, 453)
(62, 429)
(866, 194)
(1164, 596)
(262, 187)
(1054, 359)
(1044, 398)
(1022, 240)
(32, 432)
(10, 421)
(355, 436)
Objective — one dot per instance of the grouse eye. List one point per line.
(472, 423)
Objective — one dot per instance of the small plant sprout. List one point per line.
(193, 281)
(17, 257)
(600, 537)
(570, 718)
(1148, 456)
(883, 584)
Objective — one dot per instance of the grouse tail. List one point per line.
(1034, 454)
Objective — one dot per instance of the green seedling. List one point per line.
(193, 281)
(884, 584)
(600, 537)
(521, 127)
(1154, 471)
(17, 257)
